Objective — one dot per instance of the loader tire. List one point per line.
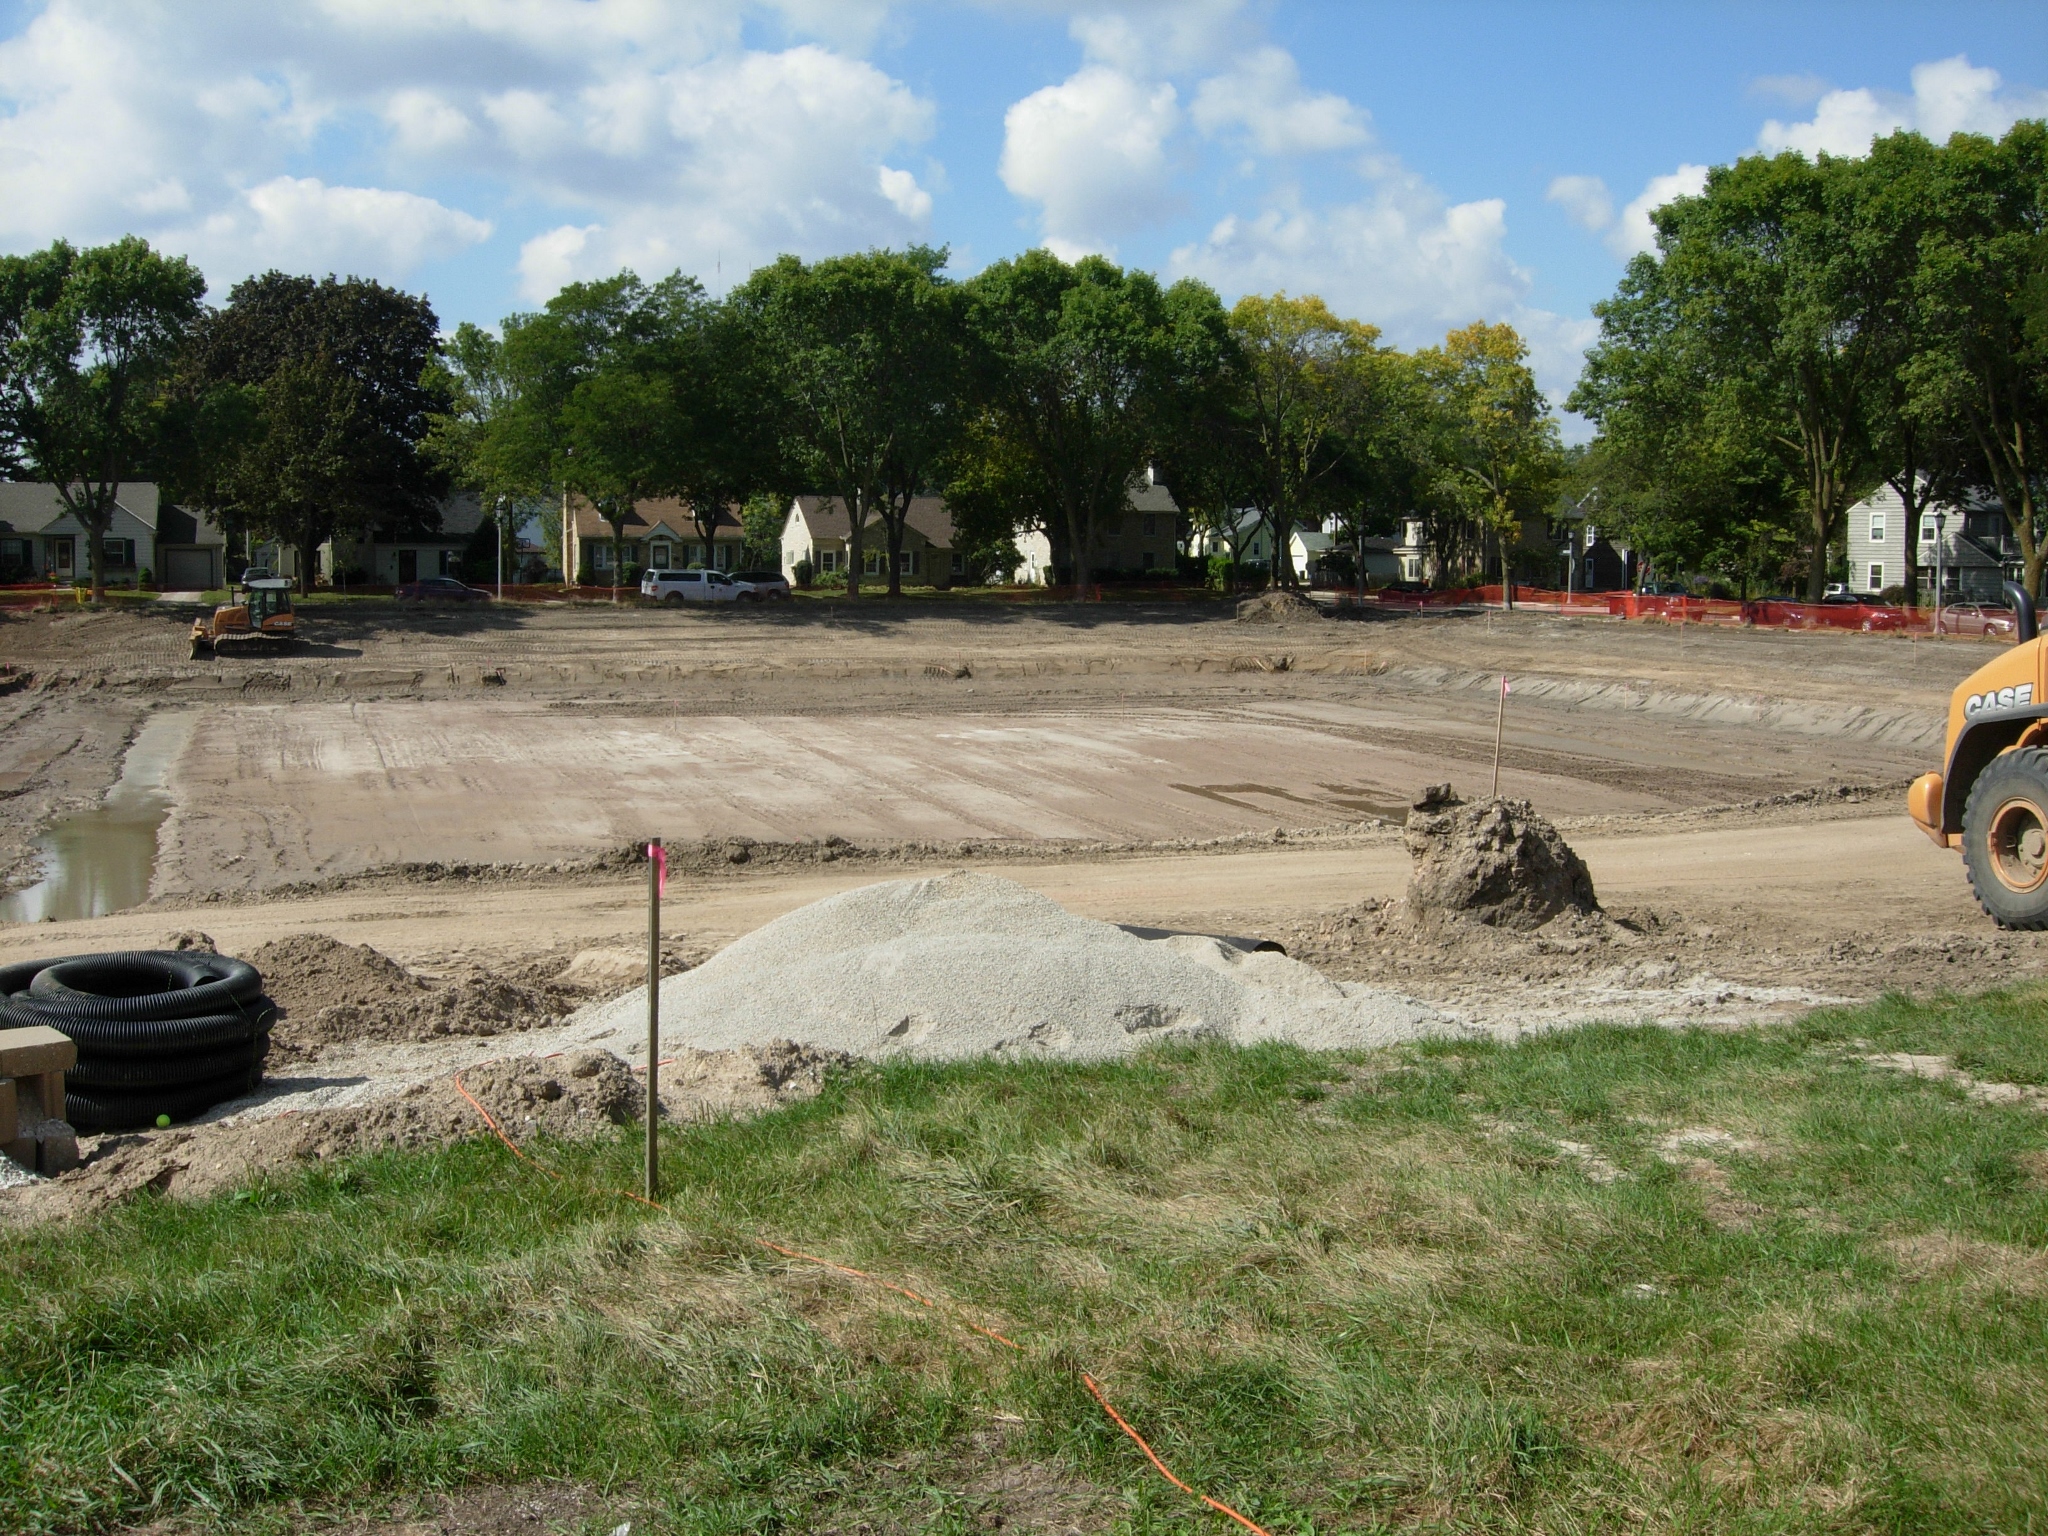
(2005, 839)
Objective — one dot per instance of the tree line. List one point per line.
(1810, 330)
(1032, 395)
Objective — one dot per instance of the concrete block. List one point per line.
(37, 1049)
(56, 1148)
(45, 1089)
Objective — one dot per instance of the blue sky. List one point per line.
(1420, 165)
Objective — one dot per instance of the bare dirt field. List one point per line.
(459, 790)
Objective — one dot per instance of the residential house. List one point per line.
(659, 534)
(1145, 536)
(1977, 552)
(40, 539)
(1254, 541)
(816, 529)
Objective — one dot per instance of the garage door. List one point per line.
(187, 570)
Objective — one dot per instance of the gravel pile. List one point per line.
(973, 965)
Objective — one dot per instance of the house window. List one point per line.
(601, 556)
(117, 551)
(1151, 524)
(906, 562)
(1876, 576)
(15, 555)
(1926, 531)
(872, 565)
(828, 559)
(959, 564)
(1877, 527)
(448, 562)
(721, 557)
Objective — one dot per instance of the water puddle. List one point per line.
(101, 860)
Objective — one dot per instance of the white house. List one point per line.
(1978, 553)
(40, 539)
(816, 530)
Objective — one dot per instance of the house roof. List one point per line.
(646, 514)
(826, 518)
(31, 506)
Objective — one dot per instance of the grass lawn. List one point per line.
(1609, 1281)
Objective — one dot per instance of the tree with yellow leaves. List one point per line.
(1499, 444)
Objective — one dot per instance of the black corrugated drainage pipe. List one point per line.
(159, 1032)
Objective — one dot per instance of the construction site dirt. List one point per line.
(463, 791)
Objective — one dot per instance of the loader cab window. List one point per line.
(268, 603)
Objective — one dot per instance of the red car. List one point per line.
(440, 589)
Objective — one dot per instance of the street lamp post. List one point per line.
(1940, 550)
(499, 519)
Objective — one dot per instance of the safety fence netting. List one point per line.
(1965, 619)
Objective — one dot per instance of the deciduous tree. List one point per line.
(86, 339)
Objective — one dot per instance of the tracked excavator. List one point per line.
(259, 617)
(1990, 798)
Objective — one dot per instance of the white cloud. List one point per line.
(1091, 152)
(1263, 97)
(649, 131)
(1401, 258)
(1949, 96)
(1161, 37)
(1585, 199)
(423, 123)
(1633, 232)
(904, 194)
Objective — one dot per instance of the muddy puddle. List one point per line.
(101, 860)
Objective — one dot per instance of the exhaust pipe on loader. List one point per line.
(1991, 797)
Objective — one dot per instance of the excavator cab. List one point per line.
(261, 614)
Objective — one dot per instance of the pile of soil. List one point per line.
(570, 1097)
(1496, 862)
(1278, 607)
(331, 993)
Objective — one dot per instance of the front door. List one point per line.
(408, 565)
(60, 557)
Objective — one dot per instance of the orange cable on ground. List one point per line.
(1094, 1388)
(1152, 1456)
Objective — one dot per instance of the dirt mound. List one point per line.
(331, 993)
(571, 1096)
(1278, 608)
(1496, 862)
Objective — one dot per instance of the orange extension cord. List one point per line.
(1094, 1387)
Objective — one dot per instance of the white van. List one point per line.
(694, 586)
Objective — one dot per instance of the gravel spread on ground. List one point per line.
(974, 965)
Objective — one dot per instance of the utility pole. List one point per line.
(1940, 523)
(499, 518)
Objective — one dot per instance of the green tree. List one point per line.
(355, 348)
(86, 340)
(1500, 445)
(1982, 260)
(865, 352)
(1307, 389)
(1080, 363)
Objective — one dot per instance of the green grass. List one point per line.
(1359, 1293)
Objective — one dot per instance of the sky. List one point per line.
(1420, 166)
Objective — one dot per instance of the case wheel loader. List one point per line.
(259, 616)
(1991, 797)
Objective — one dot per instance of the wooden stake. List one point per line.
(1499, 721)
(654, 872)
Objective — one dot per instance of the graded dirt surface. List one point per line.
(459, 791)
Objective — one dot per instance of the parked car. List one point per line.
(1665, 589)
(440, 589)
(1404, 589)
(1883, 616)
(1842, 597)
(1976, 619)
(761, 586)
(692, 586)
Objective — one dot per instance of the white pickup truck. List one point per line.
(694, 586)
